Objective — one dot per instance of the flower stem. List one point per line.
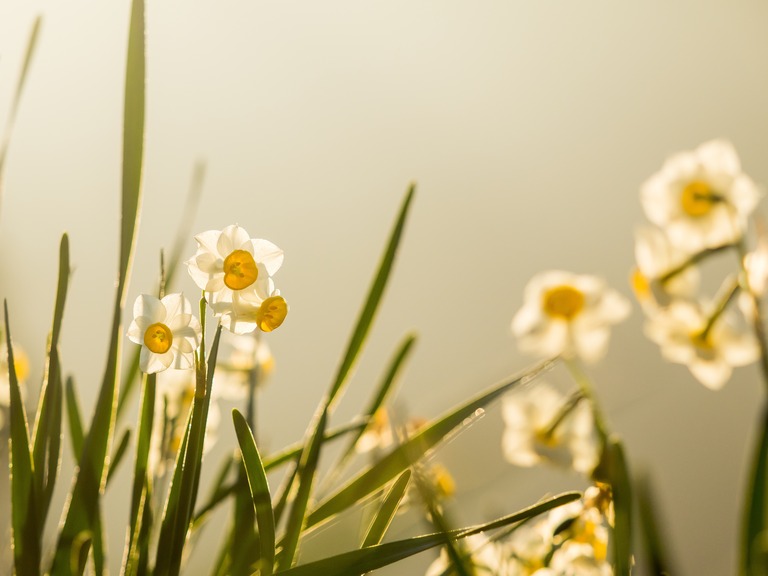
(722, 303)
(586, 386)
(695, 259)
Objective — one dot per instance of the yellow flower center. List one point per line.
(240, 270)
(158, 338)
(640, 285)
(698, 198)
(563, 302)
(271, 313)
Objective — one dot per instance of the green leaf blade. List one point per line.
(262, 501)
(382, 520)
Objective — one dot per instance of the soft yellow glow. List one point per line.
(272, 313)
(697, 199)
(563, 302)
(240, 270)
(640, 285)
(158, 338)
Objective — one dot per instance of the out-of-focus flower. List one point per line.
(175, 394)
(568, 314)
(656, 256)
(378, 436)
(21, 363)
(701, 198)
(710, 353)
(167, 332)
(248, 312)
(544, 425)
(229, 265)
(486, 557)
(238, 356)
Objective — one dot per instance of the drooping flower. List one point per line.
(230, 265)
(701, 198)
(249, 312)
(710, 349)
(569, 314)
(166, 330)
(656, 256)
(542, 425)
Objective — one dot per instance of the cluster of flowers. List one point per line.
(700, 203)
(235, 273)
(569, 541)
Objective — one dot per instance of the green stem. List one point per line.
(722, 303)
(695, 259)
(585, 385)
(757, 315)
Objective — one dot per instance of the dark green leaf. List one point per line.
(262, 502)
(622, 504)
(755, 526)
(27, 533)
(117, 457)
(75, 421)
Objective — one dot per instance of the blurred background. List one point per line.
(528, 128)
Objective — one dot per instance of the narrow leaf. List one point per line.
(755, 525)
(117, 457)
(622, 504)
(75, 420)
(387, 511)
(27, 533)
(363, 560)
(404, 455)
(82, 512)
(262, 502)
(30, 52)
(656, 550)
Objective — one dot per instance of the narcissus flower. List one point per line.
(709, 349)
(568, 314)
(229, 264)
(656, 256)
(701, 198)
(238, 356)
(249, 312)
(542, 425)
(167, 331)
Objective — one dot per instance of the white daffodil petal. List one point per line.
(713, 374)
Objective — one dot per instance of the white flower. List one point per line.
(175, 393)
(543, 425)
(568, 314)
(249, 312)
(701, 198)
(655, 256)
(238, 356)
(229, 265)
(486, 557)
(167, 331)
(710, 355)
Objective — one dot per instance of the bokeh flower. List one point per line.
(701, 198)
(229, 264)
(711, 350)
(167, 332)
(543, 425)
(239, 355)
(656, 256)
(569, 314)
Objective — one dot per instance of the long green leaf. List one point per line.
(656, 549)
(362, 560)
(141, 480)
(82, 512)
(76, 434)
(380, 523)
(262, 501)
(622, 504)
(404, 455)
(30, 52)
(47, 430)
(27, 533)
(311, 455)
(117, 457)
(755, 513)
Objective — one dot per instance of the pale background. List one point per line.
(528, 127)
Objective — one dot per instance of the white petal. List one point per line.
(713, 374)
(233, 238)
(266, 253)
(208, 240)
(591, 344)
(149, 307)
